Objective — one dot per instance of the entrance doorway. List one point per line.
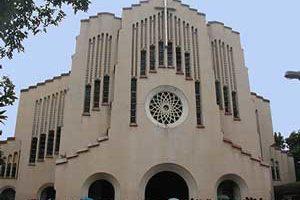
(8, 194)
(228, 190)
(101, 189)
(48, 193)
(166, 185)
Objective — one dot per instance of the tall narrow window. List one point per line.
(161, 57)
(219, 94)
(57, 141)
(236, 114)
(3, 166)
(273, 170)
(96, 93)
(143, 63)
(50, 143)
(277, 171)
(152, 58)
(198, 103)
(33, 150)
(42, 146)
(226, 100)
(87, 99)
(170, 54)
(8, 170)
(14, 166)
(178, 59)
(187, 65)
(14, 170)
(105, 89)
(133, 101)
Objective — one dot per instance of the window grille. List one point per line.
(198, 103)
(133, 101)
(219, 94)
(161, 56)
(97, 93)
(87, 98)
(235, 105)
(143, 63)
(42, 144)
(105, 89)
(178, 59)
(226, 99)
(152, 58)
(33, 150)
(57, 141)
(187, 65)
(50, 143)
(170, 54)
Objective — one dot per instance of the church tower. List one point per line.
(157, 106)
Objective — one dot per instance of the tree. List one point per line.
(18, 18)
(7, 96)
(279, 140)
(293, 143)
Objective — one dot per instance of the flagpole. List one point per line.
(166, 22)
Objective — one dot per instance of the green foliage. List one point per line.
(7, 96)
(18, 18)
(279, 140)
(293, 143)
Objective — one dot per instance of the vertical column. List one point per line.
(219, 83)
(133, 50)
(194, 53)
(136, 47)
(198, 55)
(92, 60)
(101, 55)
(34, 118)
(133, 101)
(88, 62)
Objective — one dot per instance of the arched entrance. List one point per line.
(228, 190)
(166, 185)
(48, 193)
(101, 189)
(8, 194)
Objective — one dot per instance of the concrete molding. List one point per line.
(244, 152)
(46, 81)
(260, 97)
(65, 160)
(223, 25)
(61, 161)
(99, 15)
(178, 1)
(103, 139)
(83, 150)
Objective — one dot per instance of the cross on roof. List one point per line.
(166, 9)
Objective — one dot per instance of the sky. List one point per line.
(269, 32)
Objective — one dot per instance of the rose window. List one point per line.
(166, 106)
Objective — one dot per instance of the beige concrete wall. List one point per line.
(286, 166)
(240, 131)
(131, 151)
(35, 175)
(134, 164)
(97, 122)
(265, 132)
(10, 154)
(103, 144)
(263, 124)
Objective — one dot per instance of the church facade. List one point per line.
(157, 105)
